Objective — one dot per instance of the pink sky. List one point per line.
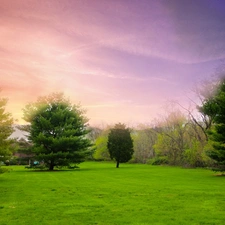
(121, 60)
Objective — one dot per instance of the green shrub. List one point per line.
(3, 170)
(161, 160)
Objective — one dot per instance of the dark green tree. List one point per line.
(120, 144)
(214, 106)
(6, 129)
(57, 130)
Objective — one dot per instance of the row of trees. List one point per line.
(58, 134)
(181, 137)
(175, 140)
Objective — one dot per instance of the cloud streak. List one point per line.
(108, 54)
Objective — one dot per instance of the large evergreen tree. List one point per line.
(120, 144)
(6, 129)
(58, 131)
(214, 106)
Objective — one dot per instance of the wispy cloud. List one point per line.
(108, 54)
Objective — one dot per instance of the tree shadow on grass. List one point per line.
(52, 171)
(111, 168)
(81, 168)
(25, 170)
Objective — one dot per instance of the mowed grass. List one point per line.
(100, 194)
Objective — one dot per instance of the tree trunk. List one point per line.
(51, 166)
(117, 164)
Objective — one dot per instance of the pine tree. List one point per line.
(57, 130)
(215, 106)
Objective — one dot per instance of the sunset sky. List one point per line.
(122, 60)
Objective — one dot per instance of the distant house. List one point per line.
(18, 133)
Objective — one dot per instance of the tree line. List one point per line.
(58, 134)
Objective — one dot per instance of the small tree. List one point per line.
(214, 106)
(120, 144)
(171, 138)
(6, 129)
(57, 130)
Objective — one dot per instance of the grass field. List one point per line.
(100, 194)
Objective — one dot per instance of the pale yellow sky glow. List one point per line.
(121, 61)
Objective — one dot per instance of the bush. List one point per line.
(3, 170)
(158, 160)
(17, 161)
(219, 169)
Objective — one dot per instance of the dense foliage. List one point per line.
(214, 106)
(144, 139)
(57, 130)
(6, 129)
(120, 144)
(180, 141)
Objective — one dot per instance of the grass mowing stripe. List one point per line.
(98, 193)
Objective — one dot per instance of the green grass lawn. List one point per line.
(100, 194)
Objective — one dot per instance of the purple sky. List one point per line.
(121, 59)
